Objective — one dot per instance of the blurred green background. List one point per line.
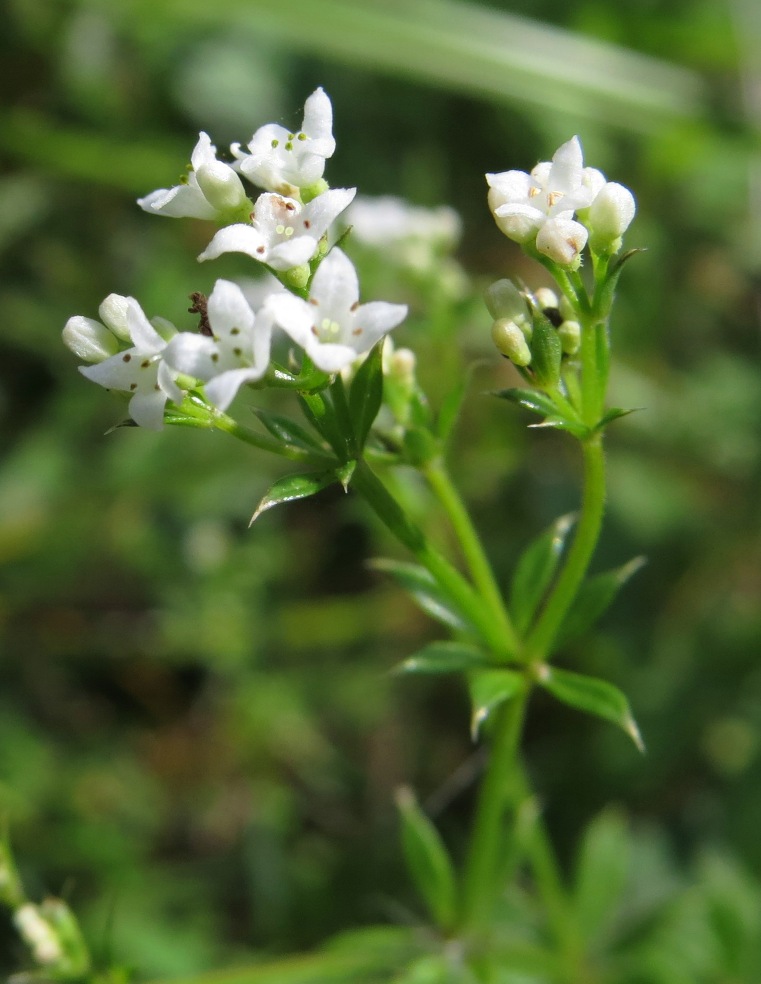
(199, 735)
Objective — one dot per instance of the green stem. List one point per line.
(587, 533)
(366, 482)
(229, 426)
(472, 548)
(483, 867)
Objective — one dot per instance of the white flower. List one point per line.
(212, 188)
(562, 239)
(522, 203)
(237, 352)
(333, 327)
(282, 161)
(389, 221)
(284, 233)
(139, 370)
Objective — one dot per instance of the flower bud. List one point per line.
(511, 342)
(506, 301)
(609, 217)
(38, 934)
(562, 240)
(402, 366)
(88, 339)
(298, 276)
(221, 186)
(546, 298)
(113, 314)
(569, 333)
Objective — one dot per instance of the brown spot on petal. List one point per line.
(238, 352)
(307, 224)
(313, 300)
(315, 332)
(235, 331)
(260, 249)
(126, 357)
(133, 386)
(290, 207)
(354, 306)
(145, 363)
(358, 331)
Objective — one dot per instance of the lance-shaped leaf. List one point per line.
(595, 596)
(366, 394)
(320, 414)
(428, 861)
(489, 689)
(288, 431)
(592, 695)
(421, 585)
(535, 569)
(293, 487)
(531, 400)
(444, 657)
(613, 414)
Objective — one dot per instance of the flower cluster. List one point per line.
(560, 206)
(314, 300)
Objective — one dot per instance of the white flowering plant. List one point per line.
(363, 414)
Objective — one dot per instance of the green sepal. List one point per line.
(601, 873)
(608, 288)
(535, 569)
(319, 412)
(444, 657)
(595, 596)
(366, 394)
(592, 695)
(546, 352)
(428, 861)
(288, 431)
(531, 400)
(421, 585)
(293, 487)
(489, 689)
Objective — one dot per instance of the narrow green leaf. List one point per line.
(288, 431)
(535, 569)
(344, 473)
(366, 394)
(531, 400)
(592, 695)
(488, 690)
(601, 873)
(563, 423)
(293, 487)
(450, 410)
(546, 352)
(613, 414)
(444, 657)
(423, 588)
(595, 596)
(428, 861)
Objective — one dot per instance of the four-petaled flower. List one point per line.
(210, 189)
(282, 161)
(538, 207)
(284, 233)
(332, 326)
(139, 370)
(237, 351)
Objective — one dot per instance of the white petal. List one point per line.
(318, 124)
(324, 209)
(519, 222)
(204, 151)
(236, 238)
(567, 163)
(144, 336)
(181, 202)
(222, 389)
(508, 186)
(292, 252)
(167, 383)
(192, 355)
(335, 286)
(292, 314)
(124, 371)
(88, 339)
(228, 308)
(147, 408)
(374, 320)
(561, 239)
(328, 356)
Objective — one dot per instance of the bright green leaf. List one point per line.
(428, 861)
(594, 597)
(293, 487)
(319, 413)
(592, 695)
(366, 394)
(601, 873)
(488, 690)
(535, 569)
(423, 588)
(444, 657)
(613, 414)
(531, 400)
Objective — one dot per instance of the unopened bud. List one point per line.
(562, 240)
(609, 217)
(546, 298)
(222, 187)
(88, 339)
(402, 366)
(298, 276)
(569, 333)
(38, 934)
(511, 342)
(113, 314)
(312, 191)
(506, 301)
